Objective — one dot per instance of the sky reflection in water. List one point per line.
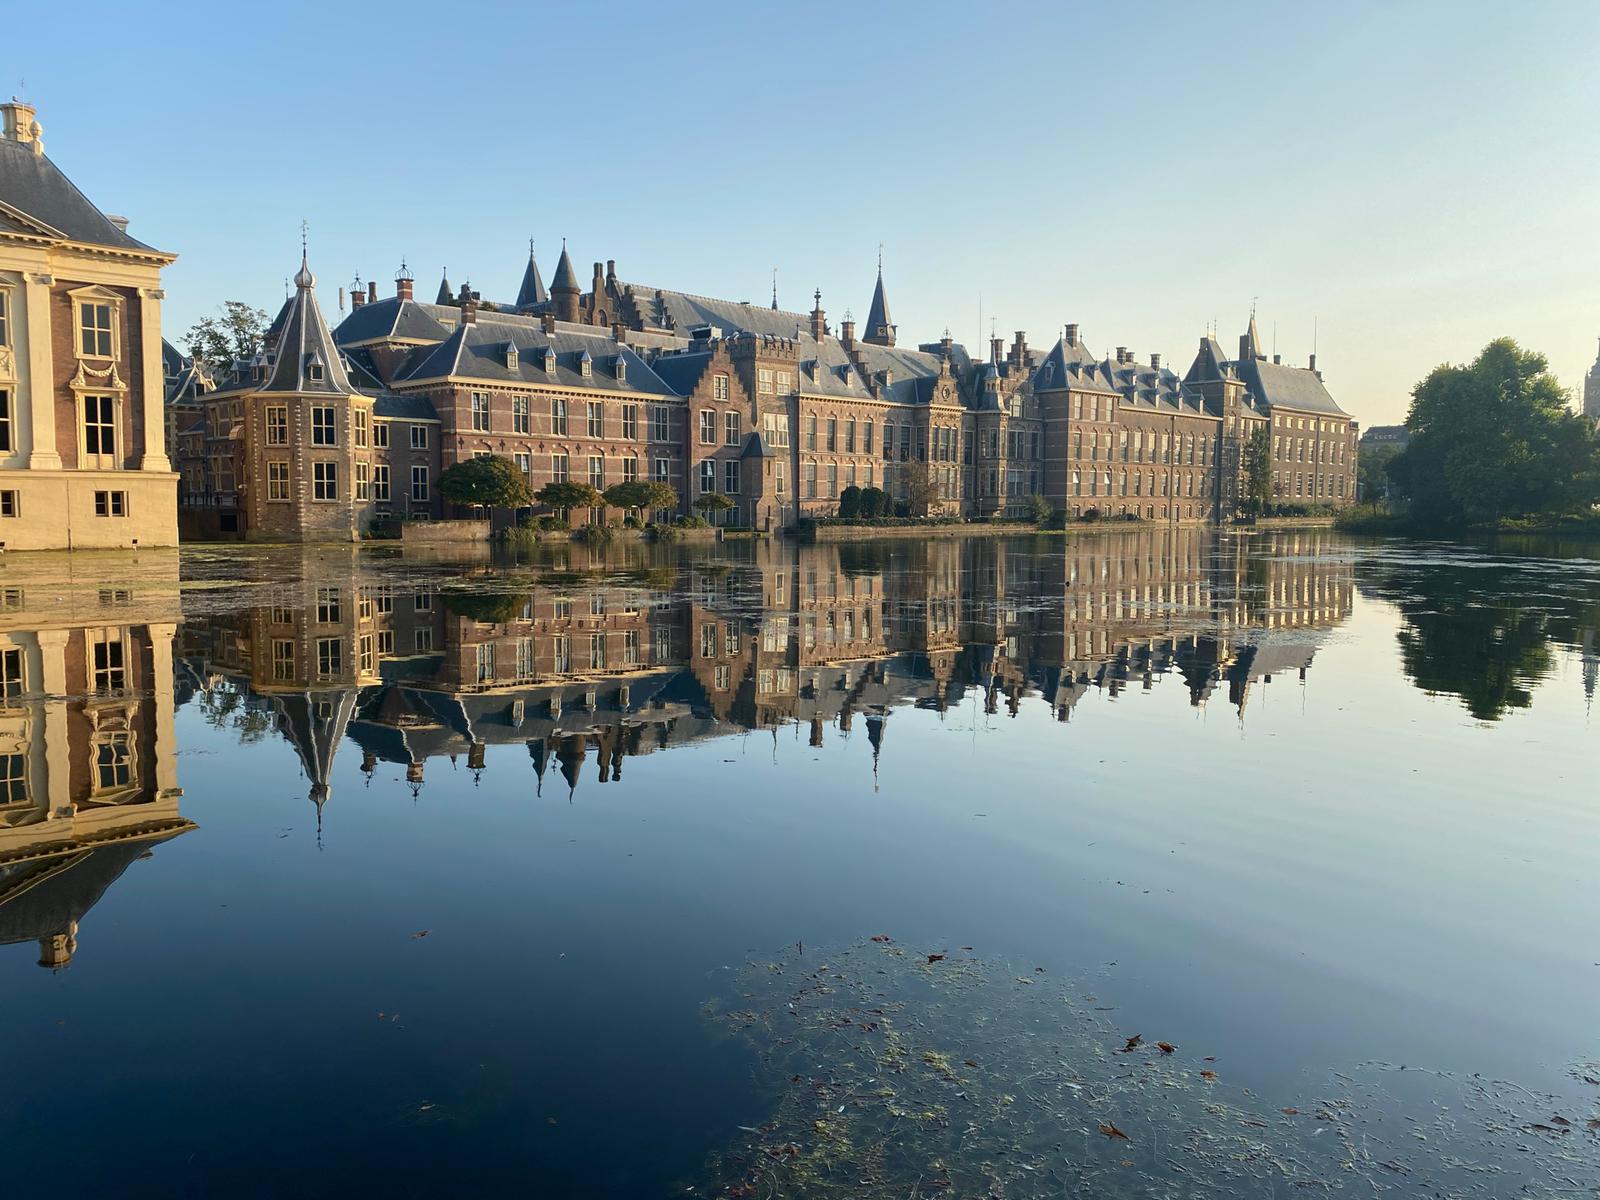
(1289, 801)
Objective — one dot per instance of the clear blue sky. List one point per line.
(1416, 177)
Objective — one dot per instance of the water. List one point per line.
(345, 870)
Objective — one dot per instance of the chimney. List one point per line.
(469, 305)
(1122, 354)
(611, 271)
(547, 321)
(819, 323)
(1313, 364)
(945, 343)
(372, 291)
(1244, 348)
(120, 222)
(1072, 335)
(402, 284)
(21, 125)
(357, 296)
(1019, 348)
(997, 347)
(619, 332)
(847, 334)
(1277, 359)
(1155, 361)
(597, 285)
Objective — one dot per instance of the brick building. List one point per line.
(775, 410)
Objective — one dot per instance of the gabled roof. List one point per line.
(304, 344)
(1280, 386)
(663, 308)
(532, 290)
(1072, 366)
(478, 351)
(390, 319)
(32, 186)
(878, 323)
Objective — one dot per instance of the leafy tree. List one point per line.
(486, 608)
(237, 333)
(1372, 471)
(1255, 492)
(1039, 510)
(492, 481)
(569, 494)
(850, 502)
(921, 494)
(641, 495)
(713, 502)
(1496, 438)
(874, 502)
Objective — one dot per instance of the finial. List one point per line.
(1253, 300)
(880, 258)
(304, 229)
(530, 247)
(774, 289)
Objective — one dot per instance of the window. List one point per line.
(368, 663)
(324, 481)
(708, 427)
(731, 428)
(597, 651)
(597, 473)
(811, 432)
(558, 468)
(330, 657)
(521, 415)
(110, 669)
(380, 483)
(630, 422)
(380, 435)
(480, 412)
(422, 602)
(100, 425)
(630, 469)
(524, 658)
(866, 437)
(419, 437)
(363, 481)
(322, 432)
(13, 681)
(719, 386)
(524, 462)
(9, 504)
(659, 419)
(111, 504)
(386, 642)
(277, 425)
(730, 476)
(422, 641)
(811, 481)
(282, 660)
(850, 435)
(777, 477)
(833, 434)
(361, 419)
(277, 481)
(776, 426)
(329, 609)
(419, 485)
(597, 419)
(5, 317)
(558, 416)
(833, 479)
(888, 439)
(708, 475)
(94, 328)
(485, 657)
(764, 381)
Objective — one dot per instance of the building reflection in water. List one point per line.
(88, 764)
(635, 656)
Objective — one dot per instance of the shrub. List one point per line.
(850, 503)
(1039, 509)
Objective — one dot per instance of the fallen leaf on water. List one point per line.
(421, 933)
(1290, 1112)
(968, 1062)
(1559, 1121)
(1593, 1123)
(1208, 1074)
(1211, 1058)
(933, 958)
(1111, 1131)
(1165, 1047)
(424, 1107)
(1134, 1041)
(881, 937)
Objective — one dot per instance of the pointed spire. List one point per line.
(1250, 343)
(880, 330)
(445, 296)
(774, 289)
(307, 359)
(533, 290)
(566, 279)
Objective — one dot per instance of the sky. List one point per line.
(1400, 181)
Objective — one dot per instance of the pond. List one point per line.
(1145, 862)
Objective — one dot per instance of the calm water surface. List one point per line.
(341, 871)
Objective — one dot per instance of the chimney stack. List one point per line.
(1019, 348)
(358, 297)
(1122, 354)
(847, 334)
(1155, 361)
(619, 332)
(22, 125)
(547, 322)
(996, 349)
(372, 291)
(1072, 335)
(819, 324)
(402, 284)
(469, 305)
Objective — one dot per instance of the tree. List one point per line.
(1039, 510)
(1496, 438)
(921, 494)
(1255, 491)
(569, 494)
(850, 502)
(237, 333)
(712, 502)
(487, 608)
(641, 495)
(1372, 471)
(874, 502)
(491, 481)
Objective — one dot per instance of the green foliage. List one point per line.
(693, 523)
(1494, 439)
(874, 502)
(1039, 510)
(593, 535)
(1372, 470)
(569, 494)
(237, 333)
(487, 608)
(641, 494)
(850, 502)
(1256, 487)
(489, 482)
(713, 502)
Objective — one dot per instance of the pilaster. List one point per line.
(152, 382)
(42, 455)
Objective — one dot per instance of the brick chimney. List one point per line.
(1072, 335)
(1155, 361)
(402, 284)
(619, 332)
(358, 297)
(819, 322)
(1019, 348)
(847, 334)
(996, 349)
(469, 305)
(372, 291)
(1122, 354)
(547, 321)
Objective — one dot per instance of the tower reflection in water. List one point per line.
(639, 650)
(88, 766)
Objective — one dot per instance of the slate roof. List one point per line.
(1281, 386)
(1073, 366)
(664, 308)
(32, 185)
(304, 342)
(566, 278)
(393, 319)
(478, 351)
(404, 407)
(878, 323)
(532, 290)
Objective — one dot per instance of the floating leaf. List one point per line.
(1111, 1131)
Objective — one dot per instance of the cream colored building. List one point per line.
(83, 460)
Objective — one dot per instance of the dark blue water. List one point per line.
(331, 899)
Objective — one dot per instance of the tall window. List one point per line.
(419, 437)
(630, 421)
(524, 462)
(850, 435)
(330, 656)
(110, 667)
(597, 419)
(558, 416)
(94, 329)
(480, 412)
(708, 427)
(731, 428)
(866, 437)
(730, 475)
(776, 426)
(833, 434)
(322, 432)
(100, 425)
(521, 419)
(380, 483)
(419, 485)
(5, 317)
(558, 468)
(708, 475)
(363, 481)
(277, 481)
(811, 432)
(6, 443)
(660, 422)
(13, 674)
(719, 387)
(833, 479)
(324, 481)
(597, 472)
(277, 425)
(360, 415)
(630, 469)
(380, 435)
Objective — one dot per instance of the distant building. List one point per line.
(83, 443)
(777, 411)
(1386, 435)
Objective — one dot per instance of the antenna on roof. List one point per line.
(1313, 335)
(774, 289)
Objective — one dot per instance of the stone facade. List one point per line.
(83, 440)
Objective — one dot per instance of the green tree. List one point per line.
(1255, 492)
(850, 502)
(1039, 510)
(492, 481)
(711, 503)
(237, 333)
(921, 494)
(569, 494)
(641, 495)
(487, 608)
(874, 502)
(1496, 438)
(1372, 471)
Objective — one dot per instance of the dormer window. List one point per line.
(314, 371)
(549, 361)
(586, 365)
(511, 356)
(622, 369)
